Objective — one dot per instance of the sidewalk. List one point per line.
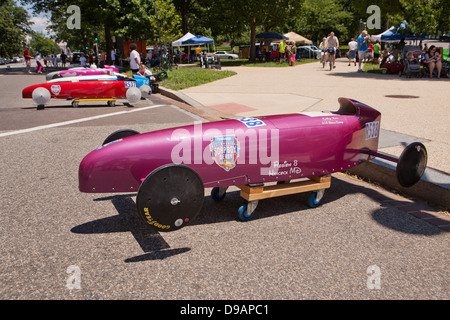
(412, 110)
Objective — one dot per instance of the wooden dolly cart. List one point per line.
(253, 193)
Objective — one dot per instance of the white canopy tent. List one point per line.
(184, 41)
(178, 43)
(378, 36)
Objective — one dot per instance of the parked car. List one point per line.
(76, 57)
(225, 55)
(2, 61)
(308, 52)
(445, 37)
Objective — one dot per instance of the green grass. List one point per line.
(372, 68)
(269, 64)
(192, 76)
(186, 77)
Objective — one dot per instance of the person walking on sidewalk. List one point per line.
(38, 62)
(353, 46)
(362, 48)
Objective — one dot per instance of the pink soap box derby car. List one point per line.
(169, 169)
(83, 71)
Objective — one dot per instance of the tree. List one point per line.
(426, 16)
(14, 26)
(129, 19)
(253, 14)
(320, 17)
(39, 42)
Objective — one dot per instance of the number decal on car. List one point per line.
(251, 122)
(130, 84)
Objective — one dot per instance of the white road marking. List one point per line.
(65, 123)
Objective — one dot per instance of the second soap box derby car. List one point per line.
(97, 87)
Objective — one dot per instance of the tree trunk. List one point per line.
(253, 40)
(108, 43)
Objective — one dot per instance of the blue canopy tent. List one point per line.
(190, 40)
(396, 34)
(197, 40)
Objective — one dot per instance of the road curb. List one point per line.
(181, 97)
(429, 191)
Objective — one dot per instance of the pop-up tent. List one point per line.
(378, 36)
(190, 40)
(197, 40)
(179, 42)
(298, 39)
(395, 34)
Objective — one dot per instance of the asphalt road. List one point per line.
(58, 243)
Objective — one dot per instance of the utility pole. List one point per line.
(157, 23)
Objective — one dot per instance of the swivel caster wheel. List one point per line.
(218, 193)
(314, 198)
(247, 211)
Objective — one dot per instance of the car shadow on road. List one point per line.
(392, 214)
(151, 242)
(389, 215)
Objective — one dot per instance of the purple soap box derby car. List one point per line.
(170, 168)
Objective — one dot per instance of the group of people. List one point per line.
(50, 60)
(329, 46)
(287, 52)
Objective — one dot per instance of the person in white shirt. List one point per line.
(113, 57)
(353, 46)
(38, 62)
(332, 43)
(135, 58)
(83, 60)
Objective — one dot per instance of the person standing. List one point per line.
(135, 58)
(63, 59)
(83, 60)
(113, 57)
(353, 46)
(292, 54)
(27, 58)
(362, 48)
(282, 50)
(376, 52)
(198, 52)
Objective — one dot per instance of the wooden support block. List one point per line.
(266, 192)
(321, 179)
(251, 190)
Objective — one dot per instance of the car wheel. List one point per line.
(170, 197)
